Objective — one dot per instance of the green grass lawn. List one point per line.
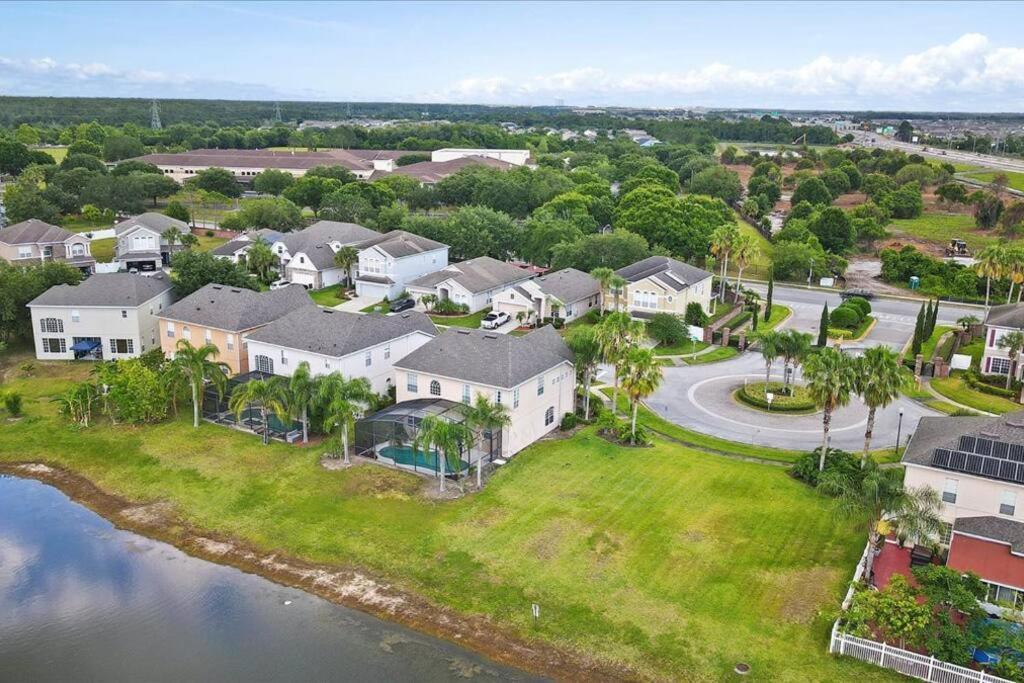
(941, 227)
(778, 314)
(719, 354)
(928, 347)
(58, 153)
(954, 388)
(765, 249)
(80, 224)
(209, 243)
(329, 296)
(103, 250)
(975, 349)
(682, 348)
(673, 561)
(1016, 179)
(472, 321)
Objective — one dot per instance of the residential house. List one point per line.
(222, 315)
(236, 249)
(660, 284)
(389, 262)
(977, 466)
(106, 316)
(1000, 321)
(34, 241)
(474, 282)
(567, 294)
(337, 341)
(532, 376)
(307, 256)
(142, 241)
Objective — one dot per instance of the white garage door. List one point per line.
(372, 290)
(302, 277)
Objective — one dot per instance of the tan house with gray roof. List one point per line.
(35, 241)
(660, 284)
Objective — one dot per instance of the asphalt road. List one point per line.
(952, 155)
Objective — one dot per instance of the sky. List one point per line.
(871, 55)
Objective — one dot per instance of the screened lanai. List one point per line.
(215, 409)
(389, 434)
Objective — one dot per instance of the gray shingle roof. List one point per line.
(235, 309)
(499, 360)
(339, 333)
(995, 528)
(569, 285)
(314, 240)
(945, 432)
(399, 243)
(106, 289)
(266, 234)
(674, 274)
(1006, 315)
(157, 222)
(33, 231)
(476, 275)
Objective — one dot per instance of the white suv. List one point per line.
(495, 319)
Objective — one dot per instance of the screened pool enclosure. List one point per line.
(215, 409)
(388, 435)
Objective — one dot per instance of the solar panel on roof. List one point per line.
(967, 444)
(1000, 449)
(940, 457)
(1007, 470)
(983, 447)
(957, 460)
(1017, 452)
(974, 463)
(990, 466)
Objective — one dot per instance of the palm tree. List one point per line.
(261, 261)
(831, 379)
(1014, 269)
(195, 364)
(173, 236)
(722, 241)
(641, 376)
(446, 439)
(604, 277)
(345, 258)
(1013, 342)
(967, 321)
(486, 416)
(302, 392)
(428, 301)
(769, 343)
(744, 250)
(880, 379)
(175, 383)
(793, 347)
(582, 341)
(342, 400)
(616, 333)
(618, 285)
(875, 494)
(989, 264)
(269, 394)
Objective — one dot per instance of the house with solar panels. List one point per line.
(977, 466)
(659, 284)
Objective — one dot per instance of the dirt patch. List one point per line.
(349, 586)
(850, 199)
(863, 273)
(804, 591)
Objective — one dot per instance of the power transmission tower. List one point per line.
(154, 117)
(348, 110)
(277, 112)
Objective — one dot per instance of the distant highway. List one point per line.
(865, 139)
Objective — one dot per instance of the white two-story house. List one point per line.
(1000, 321)
(337, 341)
(474, 282)
(389, 262)
(106, 316)
(146, 242)
(308, 256)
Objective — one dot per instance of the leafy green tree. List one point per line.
(85, 147)
(311, 190)
(197, 366)
(339, 173)
(543, 235)
(272, 181)
(880, 380)
(641, 376)
(837, 182)
(19, 285)
(24, 201)
(27, 135)
(176, 209)
(768, 296)
(219, 180)
(894, 611)
(14, 157)
(124, 194)
(905, 131)
(479, 231)
(196, 269)
(718, 182)
(615, 249)
(83, 161)
(831, 379)
(813, 191)
(155, 186)
(905, 202)
(695, 315)
(268, 395)
(823, 327)
(666, 329)
(833, 229)
(130, 166)
(275, 213)
(341, 400)
(134, 392)
(117, 147)
(987, 210)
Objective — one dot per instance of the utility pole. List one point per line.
(154, 116)
(277, 112)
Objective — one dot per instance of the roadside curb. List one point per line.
(894, 297)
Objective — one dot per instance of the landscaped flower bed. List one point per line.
(753, 395)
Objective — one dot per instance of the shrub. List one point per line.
(845, 317)
(449, 307)
(666, 329)
(13, 401)
(617, 429)
(695, 315)
(860, 303)
(209, 233)
(753, 395)
(806, 467)
(569, 421)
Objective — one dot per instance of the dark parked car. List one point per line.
(862, 293)
(401, 305)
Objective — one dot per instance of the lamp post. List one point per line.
(899, 428)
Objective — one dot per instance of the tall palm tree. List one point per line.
(582, 341)
(486, 416)
(604, 278)
(446, 439)
(793, 347)
(302, 392)
(831, 379)
(875, 494)
(261, 261)
(269, 394)
(1014, 269)
(345, 258)
(880, 379)
(641, 376)
(196, 364)
(616, 334)
(989, 264)
(769, 343)
(175, 384)
(343, 400)
(618, 285)
(1013, 342)
(744, 251)
(722, 241)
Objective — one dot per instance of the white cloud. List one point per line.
(969, 69)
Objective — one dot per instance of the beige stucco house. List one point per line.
(34, 241)
(567, 294)
(659, 284)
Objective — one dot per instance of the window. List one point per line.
(231, 342)
(1008, 503)
(24, 252)
(208, 335)
(170, 330)
(122, 346)
(435, 388)
(51, 325)
(465, 394)
(265, 364)
(949, 493)
(642, 299)
(515, 397)
(1002, 595)
(549, 416)
(497, 397)
(412, 382)
(387, 351)
(540, 385)
(1000, 366)
(54, 345)
(124, 314)
(368, 358)
(284, 358)
(186, 333)
(75, 317)
(945, 532)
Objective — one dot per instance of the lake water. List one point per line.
(83, 601)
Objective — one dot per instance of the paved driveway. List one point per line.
(357, 304)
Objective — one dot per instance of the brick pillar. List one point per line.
(918, 364)
(743, 341)
(709, 334)
(940, 367)
(725, 336)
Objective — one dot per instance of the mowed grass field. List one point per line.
(1016, 179)
(58, 153)
(942, 227)
(676, 562)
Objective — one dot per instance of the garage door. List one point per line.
(302, 277)
(372, 290)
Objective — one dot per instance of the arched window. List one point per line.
(549, 416)
(51, 325)
(265, 364)
(435, 388)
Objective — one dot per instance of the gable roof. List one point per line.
(157, 222)
(435, 171)
(106, 289)
(1006, 315)
(235, 308)
(568, 285)
(673, 274)
(246, 239)
(945, 432)
(33, 231)
(328, 332)
(399, 243)
(315, 240)
(997, 529)
(475, 275)
(498, 360)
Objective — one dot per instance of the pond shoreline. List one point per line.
(348, 586)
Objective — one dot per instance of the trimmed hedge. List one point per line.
(977, 382)
(860, 303)
(845, 316)
(753, 395)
